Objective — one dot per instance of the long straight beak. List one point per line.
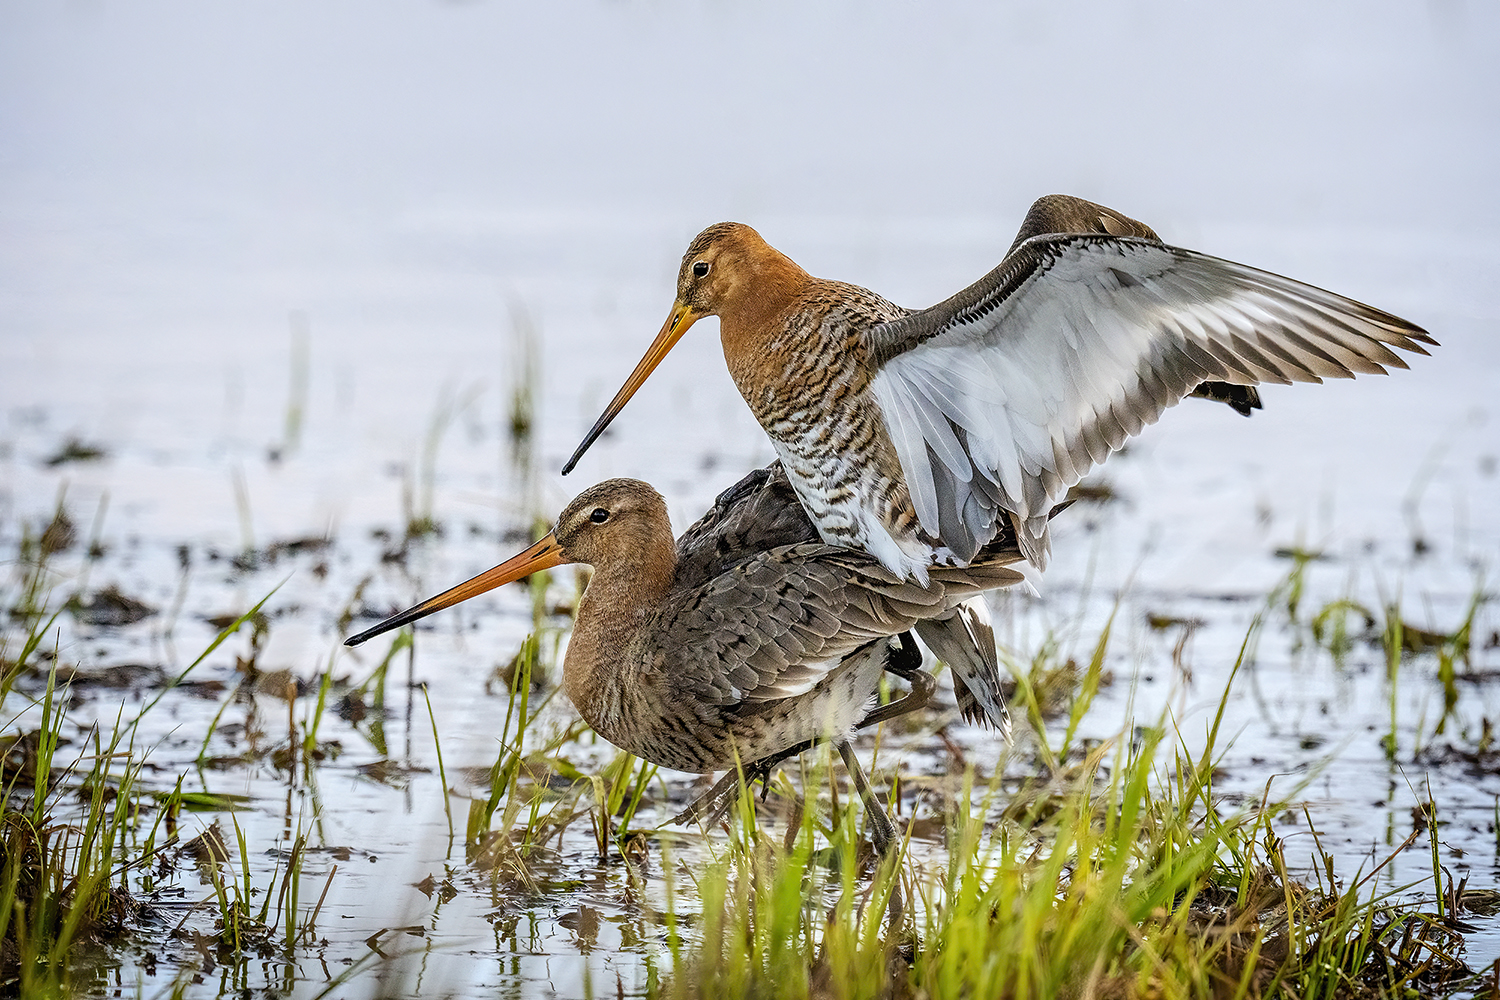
(677, 324)
(543, 555)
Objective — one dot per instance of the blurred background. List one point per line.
(287, 269)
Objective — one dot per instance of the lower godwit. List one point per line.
(917, 436)
(761, 512)
(704, 658)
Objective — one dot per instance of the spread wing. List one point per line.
(1065, 213)
(778, 624)
(1001, 398)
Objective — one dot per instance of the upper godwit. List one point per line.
(730, 655)
(916, 436)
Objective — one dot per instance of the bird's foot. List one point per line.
(711, 808)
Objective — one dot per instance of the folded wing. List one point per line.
(776, 625)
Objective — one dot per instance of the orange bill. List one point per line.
(677, 324)
(543, 555)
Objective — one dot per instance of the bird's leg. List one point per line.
(905, 663)
(712, 806)
(882, 832)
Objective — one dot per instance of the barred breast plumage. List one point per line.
(919, 435)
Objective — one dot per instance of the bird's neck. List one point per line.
(755, 308)
(620, 600)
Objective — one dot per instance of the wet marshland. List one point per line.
(262, 412)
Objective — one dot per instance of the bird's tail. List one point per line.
(965, 641)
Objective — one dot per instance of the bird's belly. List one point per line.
(674, 729)
(857, 502)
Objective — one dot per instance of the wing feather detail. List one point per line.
(777, 625)
(1004, 396)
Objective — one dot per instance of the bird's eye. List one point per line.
(700, 268)
(599, 516)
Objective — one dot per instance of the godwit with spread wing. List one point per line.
(917, 436)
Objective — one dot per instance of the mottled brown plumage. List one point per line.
(920, 436)
(761, 512)
(735, 652)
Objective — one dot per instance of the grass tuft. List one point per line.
(1135, 881)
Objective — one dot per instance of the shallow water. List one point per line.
(343, 260)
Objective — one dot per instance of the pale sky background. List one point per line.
(178, 179)
(184, 183)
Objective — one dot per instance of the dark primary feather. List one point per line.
(1243, 399)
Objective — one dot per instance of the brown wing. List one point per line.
(1063, 213)
(758, 513)
(777, 624)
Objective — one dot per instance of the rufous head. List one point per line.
(727, 270)
(722, 266)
